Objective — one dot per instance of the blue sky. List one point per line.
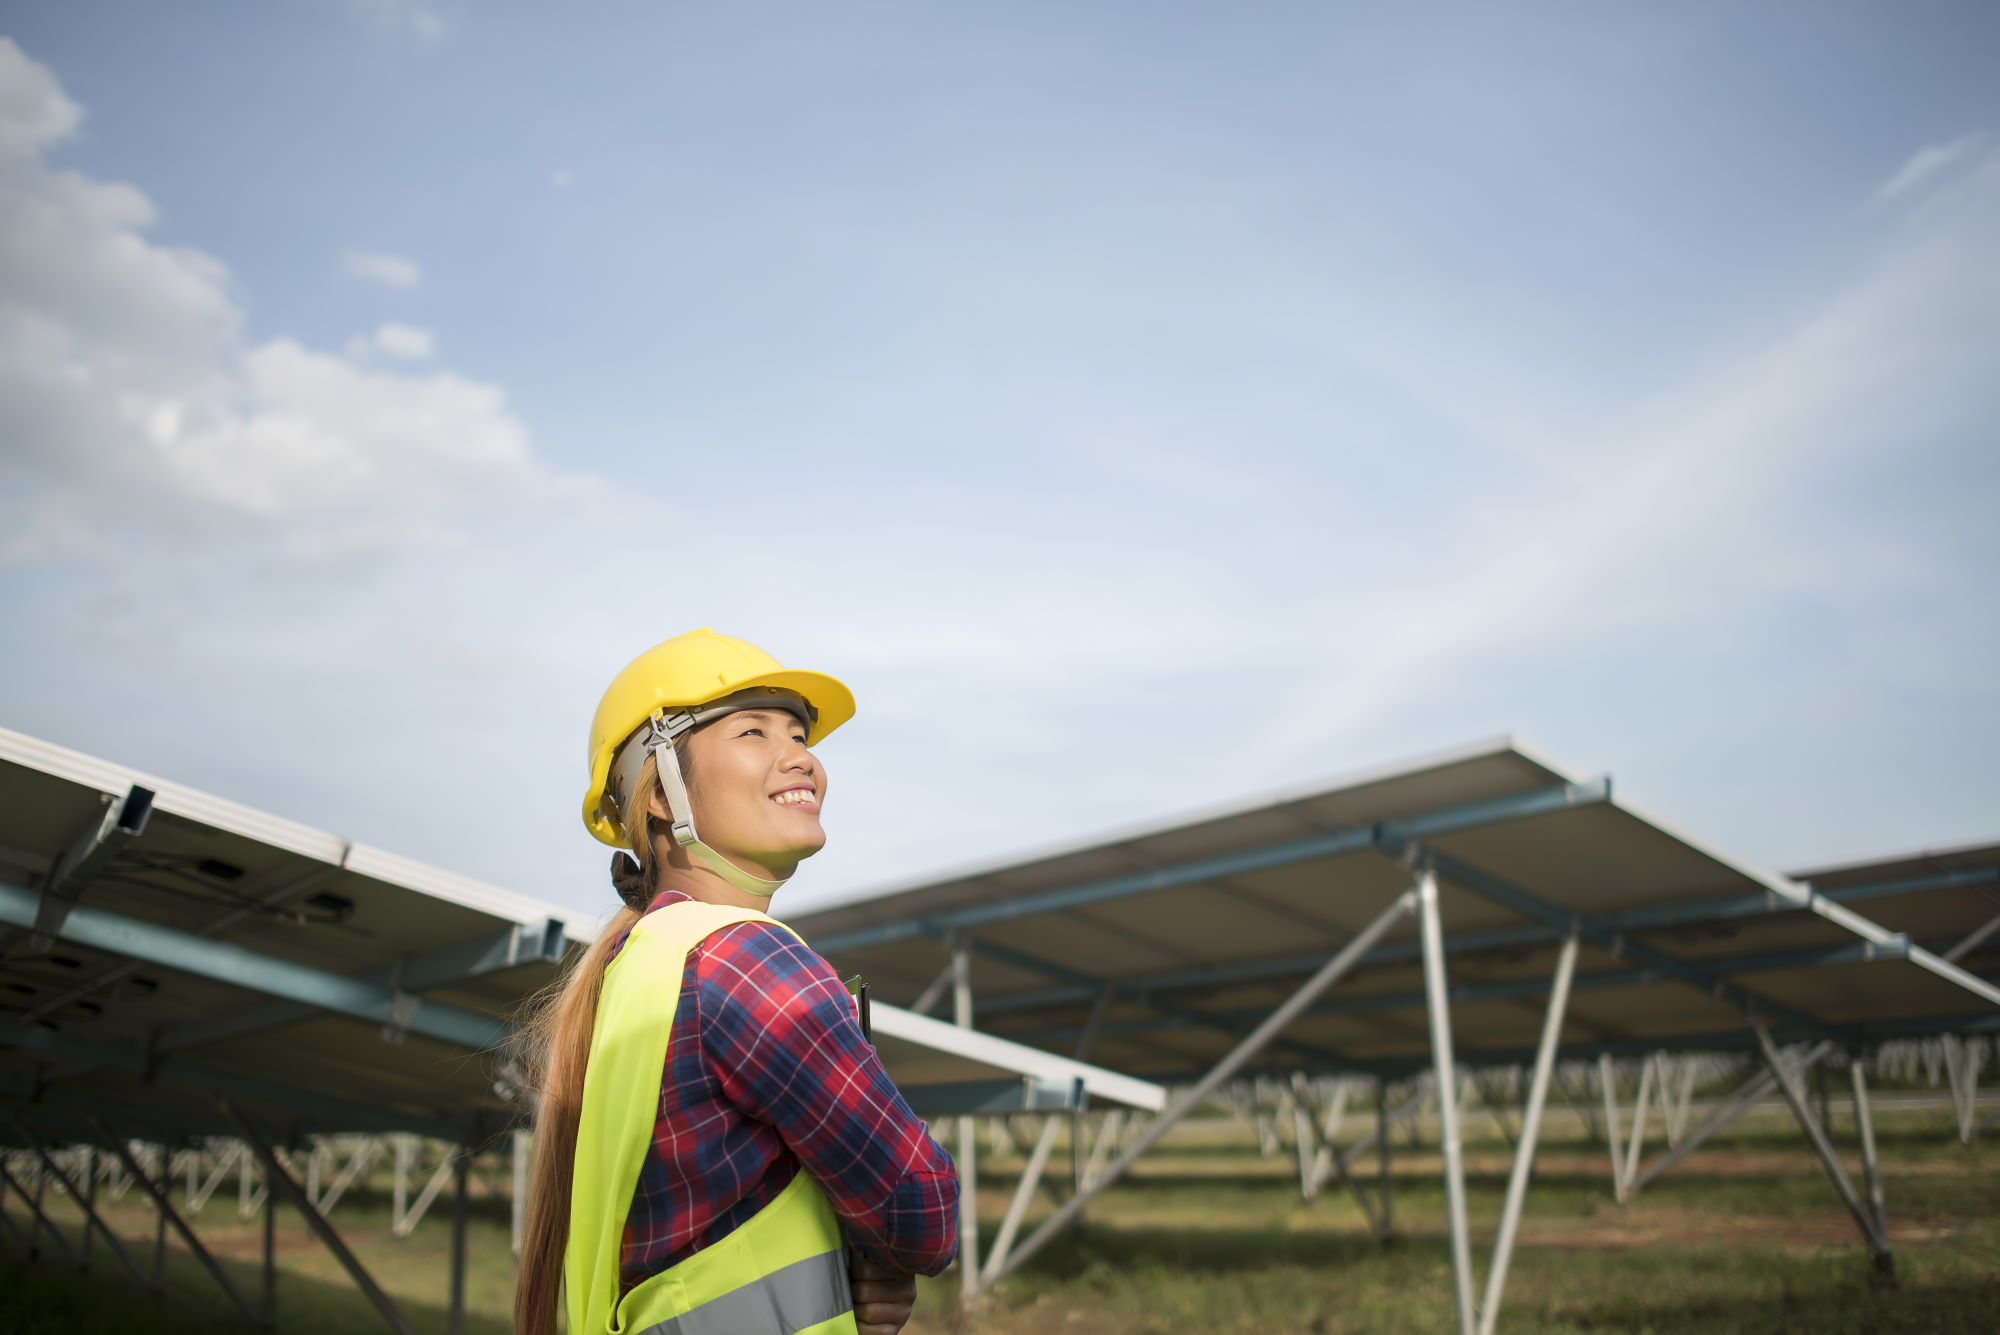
(1141, 405)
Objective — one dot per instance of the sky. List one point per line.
(1142, 406)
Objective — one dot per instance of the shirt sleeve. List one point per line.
(780, 1034)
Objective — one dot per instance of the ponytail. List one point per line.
(558, 1035)
(555, 1029)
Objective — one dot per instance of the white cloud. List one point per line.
(404, 341)
(135, 417)
(1923, 165)
(34, 111)
(382, 268)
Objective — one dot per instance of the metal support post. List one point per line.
(399, 1190)
(406, 1223)
(1386, 1189)
(270, 1295)
(1024, 1191)
(14, 1230)
(1962, 1061)
(1079, 1149)
(158, 1192)
(313, 1170)
(118, 1179)
(279, 1180)
(1268, 1142)
(1751, 1090)
(41, 1199)
(1408, 1110)
(1795, 1095)
(1573, 1084)
(1485, 1087)
(88, 1198)
(1252, 1043)
(459, 1160)
(1437, 992)
(1607, 1077)
(246, 1196)
(1329, 1133)
(200, 1189)
(85, 1203)
(1092, 1028)
(360, 1160)
(1968, 1127)
(160, 1219)
(968, 1143)
(1639, 1107)
(1676, 1112)
(1304, 1148)
(42, 1221)
(1531, 1128)
(934, 992)
(1314, 1135)
(1107, 1140)
(1864, 1124)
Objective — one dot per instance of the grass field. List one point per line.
(1207, 1236)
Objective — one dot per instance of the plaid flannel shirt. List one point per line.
(767, 1071)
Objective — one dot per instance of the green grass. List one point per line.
(314, 1294)
(1208, 1236)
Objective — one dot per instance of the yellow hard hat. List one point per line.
(687, 671)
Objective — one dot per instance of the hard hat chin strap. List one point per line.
(668, 763)
(735, 875)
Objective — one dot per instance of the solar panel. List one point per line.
(165, 946)
(1192, 928)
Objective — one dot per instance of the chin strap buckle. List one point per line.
(680, 810)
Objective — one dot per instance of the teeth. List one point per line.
(796, 797)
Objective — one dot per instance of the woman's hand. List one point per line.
(883, 1298)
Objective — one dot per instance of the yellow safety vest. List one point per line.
(782, 1272)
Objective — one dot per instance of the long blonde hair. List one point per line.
(554, 1037)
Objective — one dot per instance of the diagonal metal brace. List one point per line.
(164, 1205)
(90, 1215)
(28, 1199)
(281, 1182)
(1795, 1096)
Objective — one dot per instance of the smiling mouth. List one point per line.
(796, 797)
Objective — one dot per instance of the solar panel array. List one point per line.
(1165, 943)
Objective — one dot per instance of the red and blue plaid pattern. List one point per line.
(767, 1070)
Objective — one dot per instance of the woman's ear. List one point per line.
(657, 804)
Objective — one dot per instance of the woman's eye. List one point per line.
(751, 732)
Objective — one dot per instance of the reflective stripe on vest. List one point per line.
(783, 1271)
(784, 1302)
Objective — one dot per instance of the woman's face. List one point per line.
(757, 791)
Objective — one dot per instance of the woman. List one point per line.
(718, 1150)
